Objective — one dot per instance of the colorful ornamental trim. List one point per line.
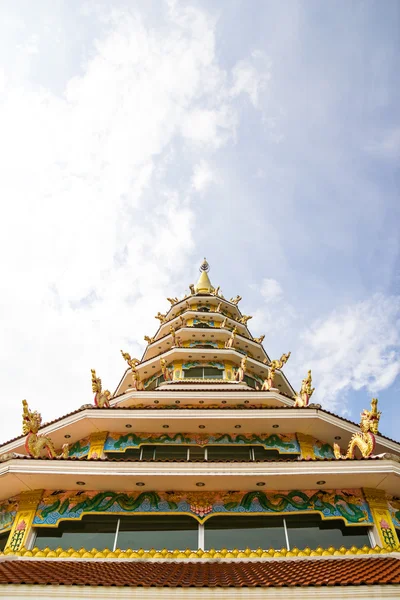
(348, 505)
(285, 444)
(201, 554)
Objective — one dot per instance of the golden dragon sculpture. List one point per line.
(364, 441)
(34, 443)
(306, 391)
(133, 363)
(101, 399)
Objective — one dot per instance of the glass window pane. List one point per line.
(129, 454)
(148, 452)
(159, 532)
(310, 531)
(228, 453)
(261, 453)
(3, 539)
(244, 532)
(91, 532)
(171, 452)
(212, 373)
(196, 453)
(196, 372)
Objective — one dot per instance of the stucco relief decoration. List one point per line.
(394, 509)
(348, 505)
(8, 510)
(285, 444)
(80, 448)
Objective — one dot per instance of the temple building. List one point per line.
(204, 475)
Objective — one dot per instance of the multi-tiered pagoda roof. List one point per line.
(203, 451)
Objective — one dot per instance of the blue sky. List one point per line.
(138, 137)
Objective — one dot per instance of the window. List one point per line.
(311, 531)
(244, 532)
(105, 531)
(261, 453)
(158, 532)
(229, 453)
(250, 381)
(266, 532)
(182, 531)
(203, 373)
(201, 453)
(168, 452)
(93, 531)
(155, 383)
(3, 540)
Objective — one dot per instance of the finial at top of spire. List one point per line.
(204, 284)
(204, 266)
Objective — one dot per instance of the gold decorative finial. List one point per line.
(204, 285)
(204, 266)
(365, 440)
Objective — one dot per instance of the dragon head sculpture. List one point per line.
(370, 418)
(31, 421)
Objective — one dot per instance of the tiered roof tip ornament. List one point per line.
(365, 440)
(204, 285)
(101, 398)
(34, 443)
(302, 399)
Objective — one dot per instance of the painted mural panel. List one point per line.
(285, 444)
(322, 450)
(8, 510)
(80, 448)
(348, 505)
(394, 508)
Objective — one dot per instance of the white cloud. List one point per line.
(94, 235)
(271, 289)
(356, 347)
(203, 176)
(248, 79)
(386, 145)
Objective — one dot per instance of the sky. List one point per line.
(138, 137)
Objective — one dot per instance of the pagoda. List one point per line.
(204, 469)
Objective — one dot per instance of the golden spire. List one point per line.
(204, 285)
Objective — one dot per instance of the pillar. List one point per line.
(382, 517)
(97, 441)
(306, 446)
(28, 503)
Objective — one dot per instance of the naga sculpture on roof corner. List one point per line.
(133, 362)
(101, 399)
(302, 399)
(268, 382)
(34, 443)
(364, 440)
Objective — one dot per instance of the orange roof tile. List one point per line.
(292, 573)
